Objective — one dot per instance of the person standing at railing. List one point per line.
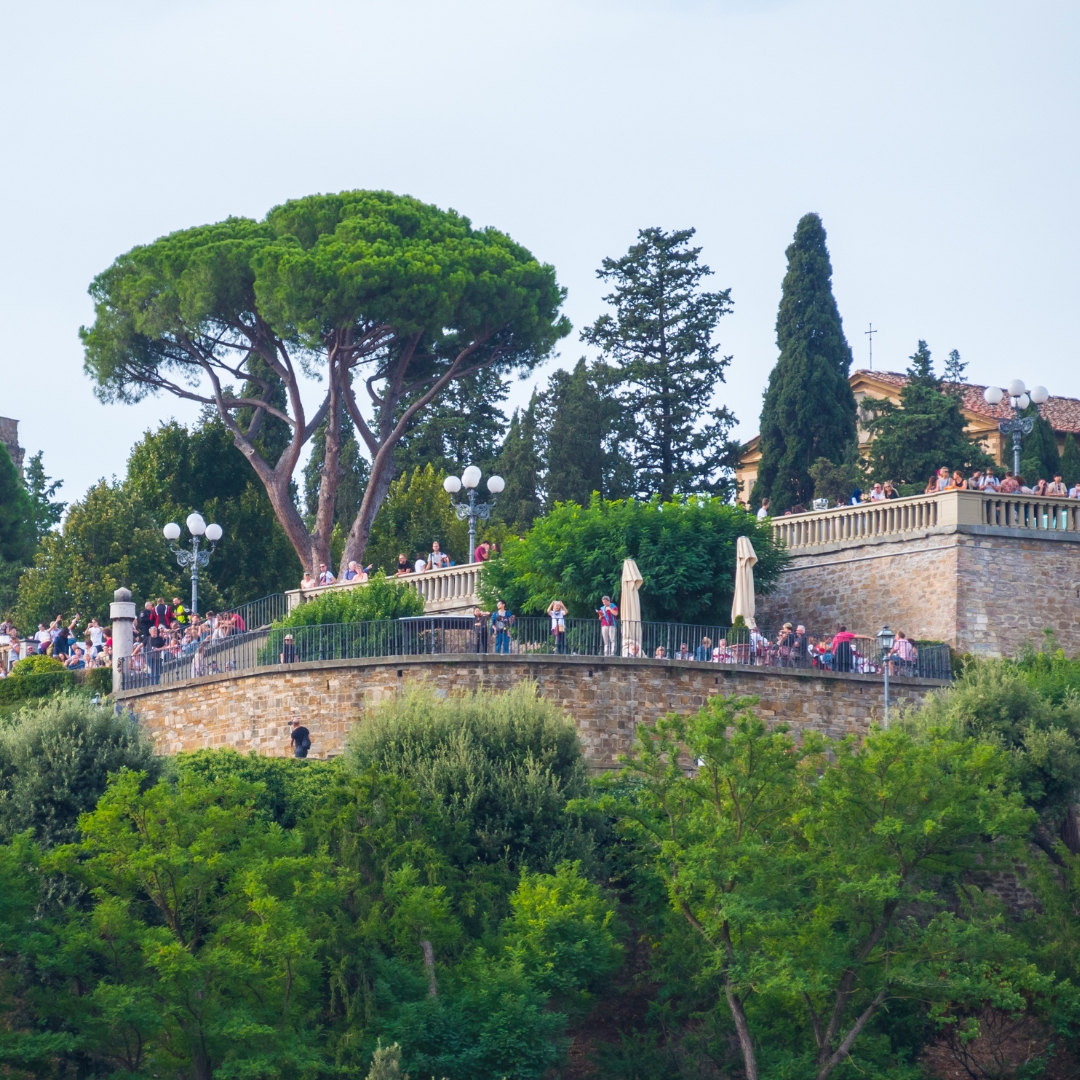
(438, 559)
(557, 613)
(479, 631)
(608, 614)
(1074, 491)
(1057, 488)
(180, 613)
(989, 481)
(326, 577)
(842, 655)
(403, 566)
(501, 621)
(902, 657)
(704, 650)
(156, 645)
(1010, 485)
(763, 510)
(288, 650)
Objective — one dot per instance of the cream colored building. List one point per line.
(982, 420)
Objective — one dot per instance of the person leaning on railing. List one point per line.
(902, 657)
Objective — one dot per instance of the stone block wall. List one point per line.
(607, 698)
(988, 591)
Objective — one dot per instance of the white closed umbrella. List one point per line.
(743, 601)
(630, 609)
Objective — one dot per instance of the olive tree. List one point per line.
(380, 299)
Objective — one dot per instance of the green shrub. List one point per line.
(98, 680)
(37, 665)
(55, 761)
(685, 551)
(30, 687)
(500, 767)
(378, 599)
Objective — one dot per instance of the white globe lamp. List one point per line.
(471, 477)
(1039, 394)
(196, 525)
(451, 485)
(1016, 388)
(496, 484)
(992, 395)
(1023, 401)
(171, 531)
(213, 533)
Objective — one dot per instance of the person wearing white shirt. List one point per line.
(877, 494)
(438, 559)
(763, 511)
(420, 565)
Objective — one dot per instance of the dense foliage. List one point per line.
(684, 550)
(922, 434)
(378, 599)
(17, 533)
(809, 409)
(664, 368)
(387, 299)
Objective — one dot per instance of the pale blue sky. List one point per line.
(938, 140)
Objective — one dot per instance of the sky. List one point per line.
(937, 140)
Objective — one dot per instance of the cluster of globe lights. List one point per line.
(1021, 396)
(470, 478)
(196, 526)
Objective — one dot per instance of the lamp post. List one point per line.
(885, 639)
(470, 480)
(193, 558)
(1017, 426)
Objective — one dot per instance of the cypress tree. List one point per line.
(16, 514)
(924, 432)
(809, 411)
(575, 436)
(520, 465)
(1070, 461)
(1039, 458)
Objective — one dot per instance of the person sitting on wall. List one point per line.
(902, 656)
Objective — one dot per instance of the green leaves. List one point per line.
(685, 551)
(809, 410)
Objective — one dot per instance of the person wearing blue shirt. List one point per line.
(501, 621)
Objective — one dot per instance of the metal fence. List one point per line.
(535, 636)
(263, 612)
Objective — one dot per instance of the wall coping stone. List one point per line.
(996, 531)
(542, 659)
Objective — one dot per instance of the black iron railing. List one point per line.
(531, 636)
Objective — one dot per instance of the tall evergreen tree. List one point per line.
(1070, 461)
(1039, 459)
(809, 410)
(520, 465)
(572, 409)
(924, 432)
(664, 367)
(17, 536)
(46, 510)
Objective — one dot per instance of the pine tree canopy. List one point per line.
(809, 410)
(923, 433)
(664, 367)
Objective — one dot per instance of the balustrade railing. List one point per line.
(451, 589)
(526, 636)
(916, 513)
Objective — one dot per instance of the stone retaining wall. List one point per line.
(988, 591)
(607, 698)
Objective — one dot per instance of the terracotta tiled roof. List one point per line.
(1062, 412)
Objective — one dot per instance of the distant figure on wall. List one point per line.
(300, 739)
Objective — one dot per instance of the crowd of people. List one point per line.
(435, 559)
(165, 632)
(944, 480)
(75, 644)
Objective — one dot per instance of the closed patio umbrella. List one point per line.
(743, 601)
(630, 609)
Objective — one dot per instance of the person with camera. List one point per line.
(608, 613)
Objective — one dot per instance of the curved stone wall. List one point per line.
(607, 698)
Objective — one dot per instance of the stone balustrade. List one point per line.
(445, 592)
(916, 514)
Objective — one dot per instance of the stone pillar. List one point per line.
(122, 614)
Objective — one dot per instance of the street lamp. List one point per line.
(885, 639)
(470, 480)
(1017, 426)
(193, 558)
